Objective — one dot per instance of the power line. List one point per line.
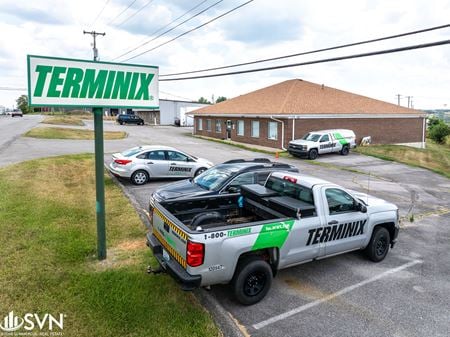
(171, 29)
(332, 59)
(131, 4)
(184, 98)
(134, 14)
(190, 31)
(312, 51)
(12, 89)
(100, 13)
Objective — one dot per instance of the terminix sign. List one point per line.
(68, 82)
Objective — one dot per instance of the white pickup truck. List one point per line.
(244, 239)
(325, 141)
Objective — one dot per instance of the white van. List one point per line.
(325, 141)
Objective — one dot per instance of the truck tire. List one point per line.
(378, 246)
(139, 177)
(207, 219)
(252, 280)
(313, 153)
(345, 150)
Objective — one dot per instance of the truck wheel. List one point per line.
(140, 177)
(252, 281)
(378, 246)
(313, 154)
(345, 150)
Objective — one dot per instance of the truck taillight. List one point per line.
(122, 161)
(195, 253)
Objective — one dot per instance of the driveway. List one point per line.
(408, 294)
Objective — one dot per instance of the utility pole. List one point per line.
(409, 101)
(99, 169)
(398, 98)
(94, 35)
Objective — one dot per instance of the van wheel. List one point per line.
(378, 246)
(121, 123)
(252, 281)
(313, 154)
(345, 150)
(140, 177)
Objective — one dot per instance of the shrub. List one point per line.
(439, 132)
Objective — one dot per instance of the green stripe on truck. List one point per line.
(341, 139)
(273, 235)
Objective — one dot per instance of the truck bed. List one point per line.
(255, 204)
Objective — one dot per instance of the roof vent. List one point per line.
(323, 86)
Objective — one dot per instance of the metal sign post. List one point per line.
(78, 83)
(99, 183)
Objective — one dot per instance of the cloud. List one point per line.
(28, 13)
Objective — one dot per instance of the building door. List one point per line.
(229, 126)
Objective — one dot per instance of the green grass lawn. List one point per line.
(64, 120)
(48, 264)
(435, 157)
(68, 133)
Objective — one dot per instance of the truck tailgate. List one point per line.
(171, 237)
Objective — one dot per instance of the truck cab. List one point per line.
(321, 142)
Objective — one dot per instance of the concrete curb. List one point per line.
(219, 314)
(221, 317)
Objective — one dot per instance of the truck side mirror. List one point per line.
(233, 189)
(362, 208)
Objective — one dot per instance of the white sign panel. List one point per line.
(68, 82)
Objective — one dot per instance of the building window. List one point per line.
(272, 130)
(255, 129)
(240, 128)
(199, 124)
(218, 126)
(208, 125)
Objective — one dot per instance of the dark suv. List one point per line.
(129, 119)
(222, 179)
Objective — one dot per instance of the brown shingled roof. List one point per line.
(295, 97)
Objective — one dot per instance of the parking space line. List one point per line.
(341, 292)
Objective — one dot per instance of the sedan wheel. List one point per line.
(139, 177)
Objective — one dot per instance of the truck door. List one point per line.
(325, 144)
(297, 249)
(346, 225)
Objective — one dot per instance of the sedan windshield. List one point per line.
(213, 179)
(314, 137)
(131, 152)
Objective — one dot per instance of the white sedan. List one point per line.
(139, 164)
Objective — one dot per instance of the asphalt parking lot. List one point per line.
(408, 294)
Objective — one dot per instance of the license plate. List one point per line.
(166, 255)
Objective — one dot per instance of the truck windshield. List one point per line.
(213, 179)
(314, 137)
(293, 190)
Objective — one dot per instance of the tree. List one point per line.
(433, 121)
(221, 99)
(439, 132)
(203, 100)
(22, 104)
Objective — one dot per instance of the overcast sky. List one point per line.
(261, 29)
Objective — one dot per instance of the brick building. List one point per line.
(275, 115)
